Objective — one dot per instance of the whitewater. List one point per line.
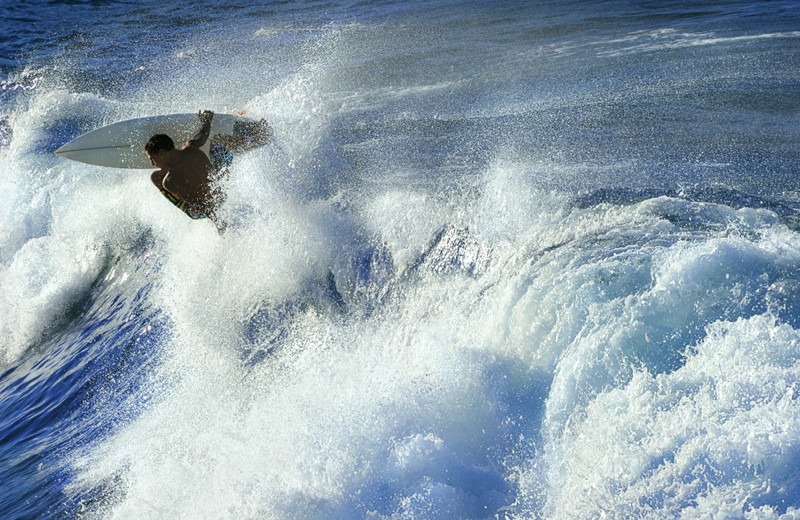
(506, 260)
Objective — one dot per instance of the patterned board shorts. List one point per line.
(220, 158)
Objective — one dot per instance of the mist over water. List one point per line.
(509, 261)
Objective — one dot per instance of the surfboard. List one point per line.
(121, 145)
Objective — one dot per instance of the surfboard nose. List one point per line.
(62, 151)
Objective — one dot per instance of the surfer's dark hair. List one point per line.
(159, 142)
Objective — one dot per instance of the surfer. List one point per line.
(188, 178)
(186, 175)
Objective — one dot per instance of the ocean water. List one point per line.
(507, 260)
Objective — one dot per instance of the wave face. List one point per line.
(527, 260)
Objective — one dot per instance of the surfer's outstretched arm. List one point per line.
(200, 137)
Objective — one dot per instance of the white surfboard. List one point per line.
(121, 145)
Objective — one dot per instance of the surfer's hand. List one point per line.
(205, 116)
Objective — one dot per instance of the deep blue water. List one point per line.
(508, 260)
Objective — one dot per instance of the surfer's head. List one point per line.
(159, 142)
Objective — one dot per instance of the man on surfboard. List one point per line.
(186, 176)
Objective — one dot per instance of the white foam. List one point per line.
(60, 225)
(713, 436)
(408, 411)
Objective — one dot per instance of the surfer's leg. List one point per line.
(220, 158)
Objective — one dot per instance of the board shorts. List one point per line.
(221, 158)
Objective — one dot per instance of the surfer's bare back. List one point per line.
(185, 175)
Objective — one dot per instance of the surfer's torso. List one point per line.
(188, 176)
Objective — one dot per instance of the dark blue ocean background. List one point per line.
(505, 260)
